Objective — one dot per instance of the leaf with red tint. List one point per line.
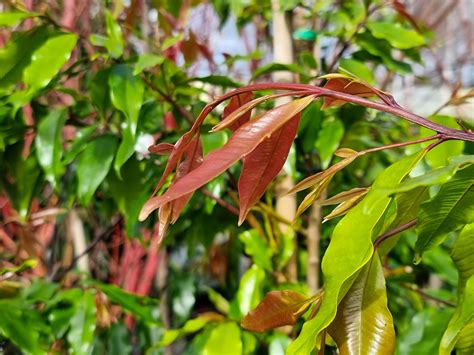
(170, 122)
(192, 159)
(161, 149)
(402, 11)
(235, 103)
(243, 141)
(277, 309)
(346, 86)
(164, 217)
(263, 164)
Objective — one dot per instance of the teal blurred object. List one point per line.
(305, 34)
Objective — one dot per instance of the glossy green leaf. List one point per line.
(363, 323)
(250, 289)
(394, 33)
(463, 316)
(93, 165)
(328, 140)
(126, 94)
(81, 333)
(15, 325)
(257, 249)
(48, 60)
(14, 17)
(17, 55)
(462, 255)
(448, 211)
(147, 60)
(224, 336)
(277, 309)
(49, 147)
(339, 267)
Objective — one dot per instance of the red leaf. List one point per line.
(346, 86)
(277, 309)
(263, 164)
(235, 103)
(402, 11)
(170, 122)
(243, 141)
(193, 158)
(161, 149)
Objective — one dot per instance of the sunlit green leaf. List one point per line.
(257, 248)
(328, 140)
(14, 17)
(147, 60)
(339, 267)
(250, 289)
(394, 33)
(81, 333)
(224, 335)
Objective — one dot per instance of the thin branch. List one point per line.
(401, 144)
(393, 232)
(188, 116)
(220, 201)
(425, 295)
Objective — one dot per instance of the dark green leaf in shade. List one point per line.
(328, 140)
(93, 165)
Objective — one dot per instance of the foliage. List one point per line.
(101, 129)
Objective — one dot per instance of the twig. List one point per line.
(425, 295)
(393, 232)
(185, 113)
(221, 202)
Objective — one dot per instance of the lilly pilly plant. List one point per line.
(351, 308)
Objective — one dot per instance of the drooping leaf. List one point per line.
(81, 333)
(243, 141)
(237, 112)
(396, 35)
(463, 317)
(449, 210)
(314, 194)
(342, 84)
(460, 331)
(344, 196)
(339, 267)
(263, 164)
(93, 165)
(344, 207)
(126, 94)
(363, 323)
(277, 309)
(226, 335)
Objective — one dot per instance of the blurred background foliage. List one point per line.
(87, 86)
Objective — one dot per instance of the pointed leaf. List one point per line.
(339, 267)
(250, 289)
(313, 195)
(344, 196)
(243, 141)
(317, 178)
(462, 317)
(12, 18)
(344, 207)
(345, 86)
(261, 166)
(93, 165)
(396, 35)
(277, 309)
(49, 147)
(449, 210)
(363, 324)
(344, 152)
